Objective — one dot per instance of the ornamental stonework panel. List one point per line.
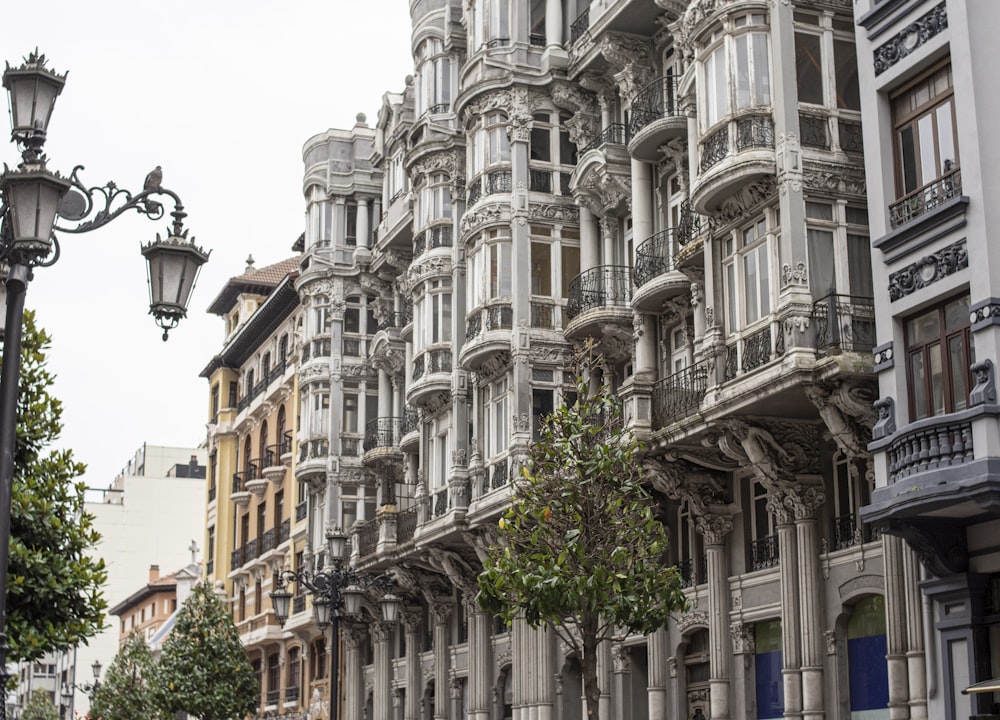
(928, 269)
(910, 38)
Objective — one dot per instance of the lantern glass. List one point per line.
(173, 266)
(281, 601)
(338, 544)
(33, 198)
(96, 668)
(321, 611)
(390, 608)
(32, 91)
(352, 600)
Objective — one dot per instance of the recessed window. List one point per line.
(926, 138)
(938, 355)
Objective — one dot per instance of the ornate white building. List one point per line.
(685, 183)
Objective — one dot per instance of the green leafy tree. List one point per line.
(125, 693)
(40, 707)
(54, 598)
(203, 669)
(580, 548)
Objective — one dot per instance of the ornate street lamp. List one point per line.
(33, 203)
(337, 592)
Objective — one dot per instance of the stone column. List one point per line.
(589, 240)
(382, 692)
(414, 678)
(896, 610)
(384, 395)
(339, 220)
(642, 204)
(790, 622)
(714, 528)
(916, 659)
(519, 130)
(609, 237)
(553, 23)
(804, 503)
(621, 663)
(656, 652)
(480, 667)
(364, 236)
(441, 612)
(604, 679)
(352, 673)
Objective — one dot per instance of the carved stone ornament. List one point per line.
(910, 38)
(621, 658)
(844, 420)
(743, 640)
(984, 391)
(821, 177)
(560, 213)
(793, 275)
(672, 666)
(485, 214)
(690, 619)
(744, 203)
(886, 424)
(450, 162)
(683, 481)
(714, 527)
(928, 269)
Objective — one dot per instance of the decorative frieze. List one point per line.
(910, 38)
(928, 269)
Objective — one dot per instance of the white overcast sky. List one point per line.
(222, 94)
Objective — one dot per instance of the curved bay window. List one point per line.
(489, 157)
(747, 275)
(939, 352)
(735, 68)
(433, 215)
(490, 268)
(432, 314)
(433, 78)
(490, 23)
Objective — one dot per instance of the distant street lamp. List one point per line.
(88, 689)
(336, 592)
(31, 200)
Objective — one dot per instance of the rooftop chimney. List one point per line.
(154, 573)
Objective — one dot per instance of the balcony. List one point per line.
(580, 26)
(490, 183)
(848, 531)
(382, 437)
(844, 323)
(656, 277)
(273, 467)
(406, 525)
(733, 156)
(431, 375)
(410, 429)
(657, 119)
(925, 199)
(598, 296)
(313, 456)
(754, 350)
(367, 538)
(431, 239)
(487, 333)
(254, 478)
(301, 510)
(679, 395)
(815, 131)
(764, 553)
(240, 496)
(613, 134)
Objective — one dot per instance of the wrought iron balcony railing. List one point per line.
(543, 315)
(580, 26)
(602, 286)
(613, 134)
(679, 394)
(383, 432)
(754, 132)
(499, 317)
(844, 323)
(473, 326)
(432, 361)
(714, 148)
(850, 136)
(688, 226)
(657, 100)
(411, 419)
(434, 237)
(921, 200)
(764, 553)
(301, 510)
(406, 524)
(654, 257)
(368, 538)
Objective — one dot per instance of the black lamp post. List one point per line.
(32, 199)
(88, 689)
(337, 592)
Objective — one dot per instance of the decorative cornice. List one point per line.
(910, 38)
(928, 269)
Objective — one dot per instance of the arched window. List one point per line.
(247, 452)
(263, 440)
(280, 437)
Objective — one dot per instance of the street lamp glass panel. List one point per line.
(33, 197)
(66, 693)
(321, 611)
(390, 608)
(281, 600)
(173, 266)
(338, 544)
(32, 91)
(96, 667)
(352, 600)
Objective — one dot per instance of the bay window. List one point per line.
(741, 58)
(490, 269)
(496, 433)
(746, 269)
(435, 313)
(433, 78)
(938, 355)
(490, 145)
(838, 250)
(824, 44)
(434, 201)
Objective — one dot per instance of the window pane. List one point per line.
(765, 283)
(846, 62)
(946, 138)
(446, 316)
(761, 75)
(918, 385)
(540, 144)
(859, 266)
(731, 320)
(541, 269)
(956, 314)
(822, 274)
(923, 328)
(742, 71)
(959, 371)
(925, 134)
(908, 155)
(570, 267)
(751, 289)
(936, 370)
(809, 68)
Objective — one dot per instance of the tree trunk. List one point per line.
(591, 685)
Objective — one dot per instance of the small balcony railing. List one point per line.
(714, 149)
(284, 530)
(273, 697)
(432, 361)
(580, 26)
(679, 394)
(473, 326)
(236, 559)
(688, 226)
(543, 315)
(368, 538)
(291, 694)
(435, 237)
(756, 349)
(383, 432)
(411, 419)
(499, 317)
(268, 541)
(848, 531)
(613, 134)
(602, 286)
(657, 100)
(301, 510)
(686, 570)
(498, 181)
(764, 553)
(941, 443)
(390, 321)
(654, 257)
(251, 551)
(927, 198)
(850, 136)
(406, 524)
(754, 132)
(844, 323)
